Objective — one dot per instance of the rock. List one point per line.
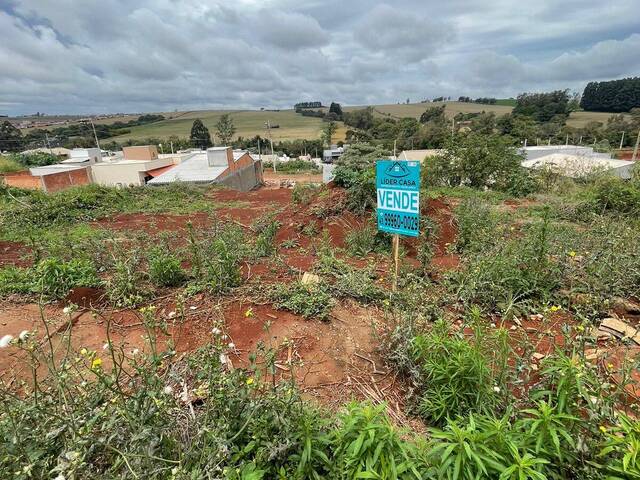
(310, 279)
(534, 367)
(538, 356)
(513, 327)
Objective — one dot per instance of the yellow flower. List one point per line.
(250, 381)
(572, 253)
(83, 351)
(555, 308)
(97, 362)
(387, 303)
(603, 429)
(249, 313)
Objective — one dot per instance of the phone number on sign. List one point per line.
(393, 220)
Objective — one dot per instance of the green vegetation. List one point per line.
(613, 96)
(200, 137)
(9, 165)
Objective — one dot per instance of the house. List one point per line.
(236, 169)
(136, 166)
(333, 153)
(51, 178)
(576, 166)
(531, 153)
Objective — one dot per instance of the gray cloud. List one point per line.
(72, 56)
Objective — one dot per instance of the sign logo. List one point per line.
(397, 170)
(398, 193)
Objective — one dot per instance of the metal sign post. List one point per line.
(398, 193)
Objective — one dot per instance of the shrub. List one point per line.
(363, 240)
(165, 269)
(303, 193)
(15, 280)
(54, 277)
(126, 286)
(457, 375)
(306, 300)
(617, 195)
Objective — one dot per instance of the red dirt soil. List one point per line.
(14, 253)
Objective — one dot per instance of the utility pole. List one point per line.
(95, 135)
(635, 150)
(621, 141)
(46, 136)
(567, 140)
(259, 151)
(275, 161)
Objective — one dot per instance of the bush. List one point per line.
(618, 196)
(457, 375)
(15, 280)
(126, 288)
(363, 240)
(54, 277)
(165, 268)
(307, 300)
(267, 228)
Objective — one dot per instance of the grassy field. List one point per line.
(293, 126)
(248, 123)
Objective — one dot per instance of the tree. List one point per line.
(200, 137)
(337, 109)
(10, 137)
(361, 119)
(327, 132)
(433, 114)
(612, 96)
(225, 129)
(542, 107)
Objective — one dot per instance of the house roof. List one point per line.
(418, 155)
(56, 168)
(576, 165)
(193, 169)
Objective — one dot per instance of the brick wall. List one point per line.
(55, 182)
(23, 180)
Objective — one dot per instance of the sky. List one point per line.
(108, 56)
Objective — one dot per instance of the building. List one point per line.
(137, 166)
(236, 169)
(61, 153)
(51, 178)
(531, 153)
(419, 155)
(334, 153)
(576, 166)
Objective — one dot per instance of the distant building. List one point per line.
(576, 166)
(334, 153)
(418, 155)
(531, 153)
(137, 166)
(236, 169)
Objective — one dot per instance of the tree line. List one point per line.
(612, 96)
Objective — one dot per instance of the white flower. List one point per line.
(5, 341)
(60, 477)
(106, 346)
(496, 389)
(71, 456)
(192, 307)
(232, 346)
(167, 390)
(172, 314)
(24, 334)
(66, 310)
(216, 331)
(223, 359)
(135, 352)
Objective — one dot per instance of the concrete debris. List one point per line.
(534, 367)
(286, 183)
(619, 329)
(594, 353)
(538, 356)
(310, 279)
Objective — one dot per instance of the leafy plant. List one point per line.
(165, 269)
(310, 301)
(54, 277)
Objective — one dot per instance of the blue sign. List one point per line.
(398, 191)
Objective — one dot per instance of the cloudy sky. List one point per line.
(99, 56)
